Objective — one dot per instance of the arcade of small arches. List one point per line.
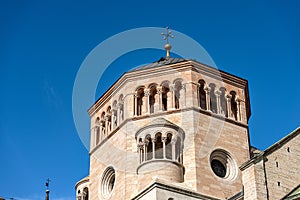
(167, 96)
(163, 97)
(160, 145)
(109, 120)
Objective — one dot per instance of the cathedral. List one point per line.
(178, 129)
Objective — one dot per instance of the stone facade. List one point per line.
(177, 129)
(275, 172)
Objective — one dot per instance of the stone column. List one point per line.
(118, 113)
(238, 102)
(153, 148)
(207, 91)
(135, 104)
(147, 101)
(171, 105)
(159, 92)
(146, 142)
(164, 140)
(156, 103)
(145, 151)
(218, 94)
(173, 142)
(140, 150)
(182, 96)
(228, 100)
(113, 119)
(101, 130)
(106, 124)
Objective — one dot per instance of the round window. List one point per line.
(223, 165)
(107, 182)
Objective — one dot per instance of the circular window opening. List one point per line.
(218, 168)
(108, 182)
(223, 165)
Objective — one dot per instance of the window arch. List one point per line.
(152, 97)
(139, 98)
(223, 102)
(233, 104)
(169, 146)
(165, 95)
(213, 98)
(202, 95)
(149, 145)
(158, 146)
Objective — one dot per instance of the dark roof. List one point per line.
(160, 62)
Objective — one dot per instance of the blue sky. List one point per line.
(43, 43)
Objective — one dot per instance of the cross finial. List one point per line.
(167, 35)
(167, 46)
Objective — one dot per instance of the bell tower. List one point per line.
(172, 129)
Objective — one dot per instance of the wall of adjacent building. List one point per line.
(283, 168)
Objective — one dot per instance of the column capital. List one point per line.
(228, 96)
(119, 105)
(218, 93)
(153, 139)
(147, 92)
(183, 86)
(206, 89)
(174, 140)
(164, 139)
(107, 117)
(159, 89)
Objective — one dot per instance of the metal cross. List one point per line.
(47, 183)
(167, 34)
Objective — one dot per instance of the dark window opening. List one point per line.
(218, 168)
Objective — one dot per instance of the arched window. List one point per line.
(165, 95)
(149, 145)
(233, 104)
(97, 130)
(202, 95)
(139, 99)
(158, 146)
(152, 98)
(213, 99)
(85, 194)
(177, 88)
(223, 102)
(169, 146)
(103, 123)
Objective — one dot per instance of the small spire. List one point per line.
(47, 189)
(166, 37)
